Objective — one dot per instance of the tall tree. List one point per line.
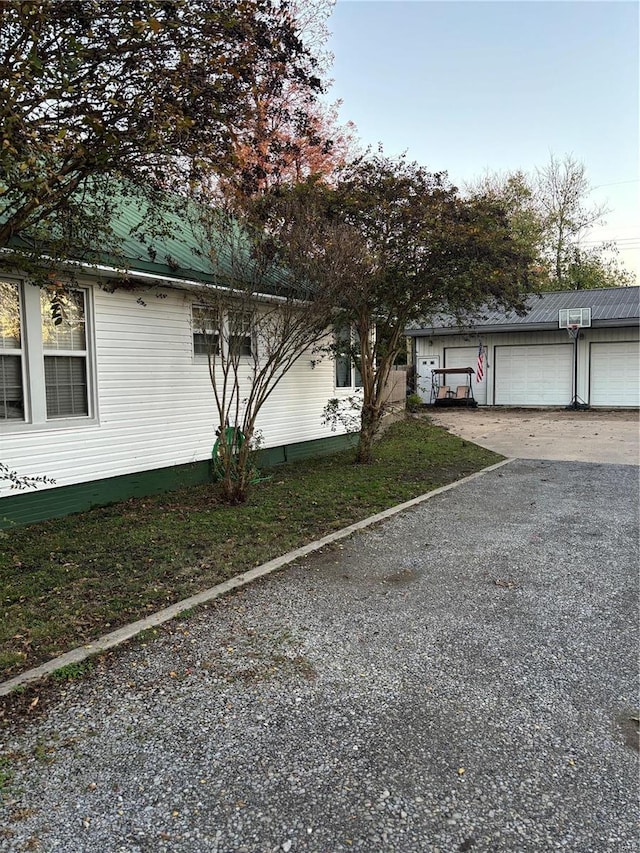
(549, 214)
(394, 243)
(562, 191)
(96, 88)
(292, 135)
(515, 192)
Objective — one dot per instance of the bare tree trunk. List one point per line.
(370, 417)
(375, 369)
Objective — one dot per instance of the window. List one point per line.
(347, 373)
(11, 393)
(240, 333)
(65, 353)
(206, 324)
(44, 367)
(206, 338)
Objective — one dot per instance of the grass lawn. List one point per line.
(67, 581)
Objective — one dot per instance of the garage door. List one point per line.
(466, 357)
(615, 374)
(536, 375)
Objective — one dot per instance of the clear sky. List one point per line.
(470, 86)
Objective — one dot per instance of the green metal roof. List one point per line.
(166, 244)
(177, 240)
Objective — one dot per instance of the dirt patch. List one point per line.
(628, 722)
(401, 577)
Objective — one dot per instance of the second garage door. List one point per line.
(615, 374)
(535, 375)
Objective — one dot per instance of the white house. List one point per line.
(532, 360)
(117, 401)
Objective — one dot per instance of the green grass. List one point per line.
(66, 581)
(72, 671)
(6, 776)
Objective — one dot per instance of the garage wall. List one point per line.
(614, 370)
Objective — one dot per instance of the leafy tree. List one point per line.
(516, 194)
(293, 138)
(393, 243)
(290, 134)
(562, 190)
(587, 269)
(254, 328)
(147, 90)
(549, 214)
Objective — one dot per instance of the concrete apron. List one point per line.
(574, 436)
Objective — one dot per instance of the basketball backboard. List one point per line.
(568, 317)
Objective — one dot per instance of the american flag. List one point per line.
(480, 365)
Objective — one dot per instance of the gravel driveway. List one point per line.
(460, 678)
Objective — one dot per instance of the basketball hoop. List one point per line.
(573, 320)
(573, 329)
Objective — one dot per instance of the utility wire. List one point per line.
(616, 183)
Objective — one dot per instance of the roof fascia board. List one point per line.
(632, 322)
(99, 270)
(476, 330)
(192, 284)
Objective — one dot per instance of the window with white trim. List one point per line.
(206, 336)
(240, 334)
(347, 374)
(65, 354)
(44, 353)
(11, 391)
(236, 327)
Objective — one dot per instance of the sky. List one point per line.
(468, 86)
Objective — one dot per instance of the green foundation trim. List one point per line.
(305, 449)
(29, 507)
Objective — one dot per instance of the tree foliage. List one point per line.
(144, 90)
(254, 327)
(562, 192)
(22, 481)
(550, 213)
(292, 138)
(394, 243)
(587, 269)
(292, 135)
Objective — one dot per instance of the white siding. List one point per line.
(155, 402)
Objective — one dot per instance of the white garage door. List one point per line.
(615, 374)
(466, 357)
(536, 375)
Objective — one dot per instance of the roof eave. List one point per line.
(618, 322)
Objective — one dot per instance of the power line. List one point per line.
(623, 241)
(616, 183)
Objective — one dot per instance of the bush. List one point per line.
(414, 401)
